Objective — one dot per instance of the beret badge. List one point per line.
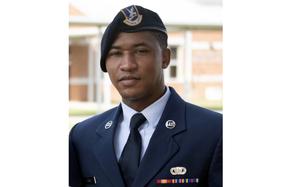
(132, 16)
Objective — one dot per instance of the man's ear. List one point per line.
(166, 55)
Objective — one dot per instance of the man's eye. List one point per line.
(142, 51)
(114, 53)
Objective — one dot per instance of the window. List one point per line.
(173, 63)
(173, 73)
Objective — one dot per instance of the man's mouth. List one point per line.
(129, 80)
(129, 77)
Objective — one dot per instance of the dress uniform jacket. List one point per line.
(192, 144)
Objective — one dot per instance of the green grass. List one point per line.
(214, 107)
(218, 105)
(78, 112)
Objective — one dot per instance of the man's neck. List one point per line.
(141, 104)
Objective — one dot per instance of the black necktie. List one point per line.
(130, 157)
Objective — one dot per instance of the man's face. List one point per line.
(135, 65)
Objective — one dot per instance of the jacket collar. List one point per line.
(104, 148)
(162, 140)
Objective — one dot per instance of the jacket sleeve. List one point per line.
(215, 178)
(75, 177)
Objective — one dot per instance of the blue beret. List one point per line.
(130, 19)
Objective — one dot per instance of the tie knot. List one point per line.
(137, 120)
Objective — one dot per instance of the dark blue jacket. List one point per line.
(194, 144)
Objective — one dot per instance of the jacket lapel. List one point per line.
(104, 149)
(162, 146)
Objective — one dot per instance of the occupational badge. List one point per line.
(178, 170)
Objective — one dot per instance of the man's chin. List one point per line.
(130, 98)
(130, 95)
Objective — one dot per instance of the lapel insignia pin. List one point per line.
(132, 16)
(108, 124)
(170, 124)
(178, 170)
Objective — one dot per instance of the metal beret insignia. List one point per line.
(132, 16)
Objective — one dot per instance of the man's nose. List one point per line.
(128, 62)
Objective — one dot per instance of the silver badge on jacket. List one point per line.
(178, 170)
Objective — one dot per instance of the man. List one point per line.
(153, 138)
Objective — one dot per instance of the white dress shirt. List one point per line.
(152, 114)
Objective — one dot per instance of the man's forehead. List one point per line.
(136, 37)
(122, 46)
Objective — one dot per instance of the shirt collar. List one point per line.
(152, 112)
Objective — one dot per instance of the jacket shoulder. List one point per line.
(204, 120)
(203, 113)
(92, 123)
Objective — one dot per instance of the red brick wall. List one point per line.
(207, 35)
(79, 60)
(78, 93)
(78, 69)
